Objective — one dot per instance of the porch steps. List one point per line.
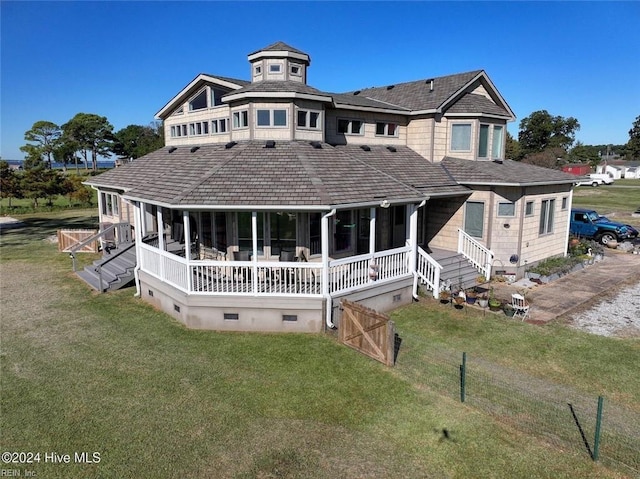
(117, 269)
(456, 269)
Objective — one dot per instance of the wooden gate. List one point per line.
(368, 331)
(67, 239)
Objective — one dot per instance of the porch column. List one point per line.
(324, 233)
(161, 244)
(372, 230)
(100, 206)
(187, 247)
(137, 231)
(143, 218)
(413, 238)
(254, 241)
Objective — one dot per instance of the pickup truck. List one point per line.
(589, 224)
(596, 179)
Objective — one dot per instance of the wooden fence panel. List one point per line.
(67, 239)
(368, 331)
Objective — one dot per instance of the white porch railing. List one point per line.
(428, 270)
(354, 272)
(273, 278)
(479, 256)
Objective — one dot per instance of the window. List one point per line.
(241, 119)
(315, 243)
(474, 219)
(546, 216)
(496, 145)
(461, 137)
(565, 202)
(179, 111)
(184, 130)
(216, 96)
(192, 129)
(275, 68)
(110, 205)
(258, 70)
(386, 129)
(219, 126)
(173, 132)
(214, 230)
(528, 211)
(283, 232)
(296, 70)
(483, 141)
(308, 119)
(506, 209)
(199, 101)
(350, 127)
(344, 227)
(245, 238)
(271, 117)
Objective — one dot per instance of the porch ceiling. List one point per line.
(291, 174)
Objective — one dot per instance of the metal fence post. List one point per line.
(463, 374)
(596, 439)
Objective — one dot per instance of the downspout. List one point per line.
(324, 225)
(569, 206)
(138, 235)
(413, 253)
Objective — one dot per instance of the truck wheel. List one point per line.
(595, 183)
(605, 238)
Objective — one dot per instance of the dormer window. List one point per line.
(258, 70)
(275, 68)
(199, 102)
(295, 70)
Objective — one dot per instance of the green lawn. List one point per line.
(619, 200)
(107, 373)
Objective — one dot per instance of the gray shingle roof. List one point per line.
(508, 172)
(278, 86)
(291, 174)
(279, 46)
(237, 81)
(417, 95)
(473, 103)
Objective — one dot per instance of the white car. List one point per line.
(596, 179)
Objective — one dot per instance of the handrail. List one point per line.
(478, 255)
(428, 269)
(75, 248)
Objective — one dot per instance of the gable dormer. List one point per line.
(279, 62)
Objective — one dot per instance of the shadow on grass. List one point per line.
(40, 227)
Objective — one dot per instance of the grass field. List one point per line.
(109, 374)
(619, 200)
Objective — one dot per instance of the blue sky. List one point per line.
(125, 60)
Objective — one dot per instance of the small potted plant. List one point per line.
(472, 296)
(445, 296)
(483, 300)
(508, 309)
(494, 303)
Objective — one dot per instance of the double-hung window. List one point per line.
(461, 137)
(271, 118)
(386, 129)
(496, 143)
(546, 216)
(219, 126)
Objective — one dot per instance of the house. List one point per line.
(273, 200)
(619, 169)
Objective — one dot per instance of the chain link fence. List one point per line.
(556, 414)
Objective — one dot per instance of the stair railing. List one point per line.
(478, 255)
(428, 269)
(123, 235)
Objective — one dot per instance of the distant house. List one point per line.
(273, 200)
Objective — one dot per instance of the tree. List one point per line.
(540, 131)
(135, 141)
(632, 149)
(512, 148)
(547, 158)
(9, 182)
(65, 152)
(91, 133)
(41, 182)
(44, 134)
(584, 154)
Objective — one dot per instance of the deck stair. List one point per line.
(456, 269)
(116, 268)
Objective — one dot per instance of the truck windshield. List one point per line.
(593, 216)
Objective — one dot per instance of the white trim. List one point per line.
(275, 94)
(279, 54)
(494, 116)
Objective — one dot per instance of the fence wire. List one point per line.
(559, 415)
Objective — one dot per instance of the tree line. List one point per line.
(544, 139)
(82, 139)
(86, 137)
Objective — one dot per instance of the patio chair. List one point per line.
(520, 306)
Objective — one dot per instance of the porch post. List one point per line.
(187, 235)
(100, 207)
(137, 231)
(254, 241)
(413, 238)
(372, 231)
(161, 245)
(143, 219)
(324, 232)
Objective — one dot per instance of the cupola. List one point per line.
(279, 62)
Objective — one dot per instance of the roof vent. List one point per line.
(498, 160)
(229, 145)
(365, 147)
(194, 149)
(172, 149)
(357, 92)
(430, 83)
(316, 144)
(392, 149)
(270, 144)
(390, 87)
